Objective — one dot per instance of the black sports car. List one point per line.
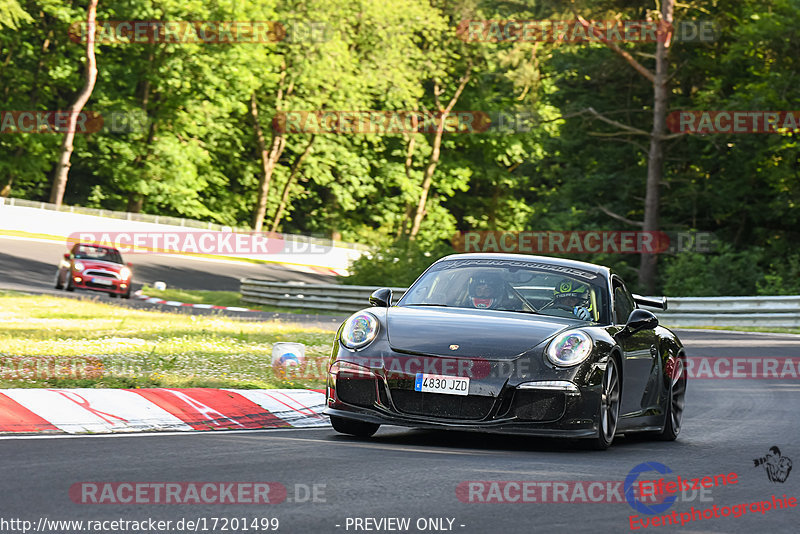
(509, 343)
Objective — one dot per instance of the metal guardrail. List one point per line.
(767, 311)
(328, 297)
(171, 221)
(778, 311)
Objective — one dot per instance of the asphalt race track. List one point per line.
(414, 474)
(27, 265)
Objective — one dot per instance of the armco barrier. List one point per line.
(329, 297)
(782, 311)
(772, 311)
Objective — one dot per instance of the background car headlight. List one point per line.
(125, 273)
(569, 348)
(359, 330)
(78, 266)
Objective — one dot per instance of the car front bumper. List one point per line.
(116, 286)
(542, 401)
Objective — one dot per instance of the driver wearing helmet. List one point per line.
(573, 296)
(485, 291)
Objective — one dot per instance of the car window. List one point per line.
(89, 252)
(623, 302)
(512, 287)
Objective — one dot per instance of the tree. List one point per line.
(62, 167)
(655, 161)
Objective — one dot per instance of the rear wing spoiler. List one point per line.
(651, 302)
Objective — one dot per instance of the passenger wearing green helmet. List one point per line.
(574, 297)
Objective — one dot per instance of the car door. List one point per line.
(640, 355)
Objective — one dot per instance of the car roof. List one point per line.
(95, 245)
(561, 262)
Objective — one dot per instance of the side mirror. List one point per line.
(130, 264)
(381, 298)
(66, 256)
(640, 320)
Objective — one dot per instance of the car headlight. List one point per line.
(78, 266)
(569, 348)
(125, 273)
(359, 330)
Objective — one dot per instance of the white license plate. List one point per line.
(449, 385)
(102, 281)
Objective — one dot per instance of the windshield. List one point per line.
(88, 252)
(517, 286)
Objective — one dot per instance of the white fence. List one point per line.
(682, 311)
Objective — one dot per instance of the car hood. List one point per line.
(100, 264)
(487, 334)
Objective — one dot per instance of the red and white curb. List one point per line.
(154, 300)
(76, 411)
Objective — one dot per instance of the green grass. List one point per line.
(217, 298)
(58, 342)
(765, 329)
(221, 298)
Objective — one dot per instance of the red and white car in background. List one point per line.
(96, 268)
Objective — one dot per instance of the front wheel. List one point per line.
(609, 407)
(70, 287)
(353, 428)
(59, 285)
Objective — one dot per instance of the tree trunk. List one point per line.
(289, 181)
(428, 177)
(655, 161)
(409, 211)
(6, 191)
(135, 203)
(62, 168)
(268, 161)
(435, 154)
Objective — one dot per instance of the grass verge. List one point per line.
(221, 298)
(765, 330)
(57, 342)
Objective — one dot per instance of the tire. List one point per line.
(59, 285)
(609, 407)
(70, 287)
(112, 295)
(127, 294)
(353, 428)
(675, 402)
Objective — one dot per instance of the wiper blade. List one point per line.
(427, 304)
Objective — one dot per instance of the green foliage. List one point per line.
(783, 278)
(12, 14)
(397, 264)
(192, 150)
(724, 272)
